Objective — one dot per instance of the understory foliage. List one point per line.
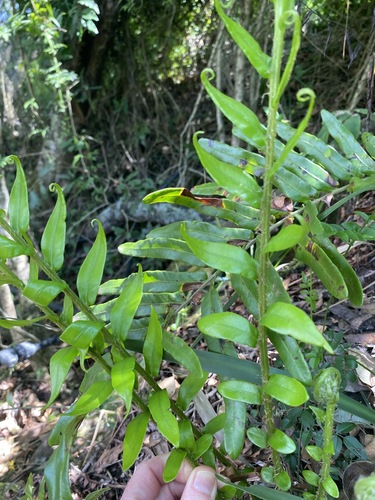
(264, 200)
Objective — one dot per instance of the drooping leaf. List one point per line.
(167, 423)
(91, 271)
(360, 161)
(286, 238)
(126, 305)
(220, 207)
(185, 356)
(286, 389)
(233, 179)
(173, 465)
(10, 248)
(56, 470)
(123, 378)
(319, 262)
(338, 166)
(240, 115)
(43, 292)
(229, 326)
(153, 345)
(187, 440)
(287, 319)
(9, 323)
(60, 364)
(81, 333)
(369, 143)
(222, 256)
(94, 396)
(53, 238)
(291, 355)
(202, 445)
(18, 208)
(189, 388)
(161, 248)
(134, 436)
(202, 230)
(249, 46)
(234, 428)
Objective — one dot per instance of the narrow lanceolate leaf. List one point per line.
(222, 256)
(126, 305)
(187, 440)
(56, 470)
(9, 323)
(233, 179)
(42, 292)
(123, 378)
(160, 248)
(324, 268)
(18, 210)
(249, 46)
(202, 445)
(291, 355)
(185, 356)
(173, 465)
(135, 434)
(240, 391)
(81, 333)
(286, 389)
(10, 248)
(167, 423)
(229, 326)
(53, 238)
(287, 319)
(286, 238)
(368, 141)
(239, 114)
(234, 428)
(359, 159)
(95, 395)
(60, 364)
(91, 271)
(153, 345)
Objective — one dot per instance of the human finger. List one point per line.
(148, 477)
(201, 485)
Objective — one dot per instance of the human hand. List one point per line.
(190, 484)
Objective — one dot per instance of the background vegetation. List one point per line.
(103, 98)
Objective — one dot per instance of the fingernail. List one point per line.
(204, 482)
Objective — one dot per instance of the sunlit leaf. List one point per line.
(240, 391)
(81, 333)
(229, 326)
(286, 389)
(287, 319)
(18, 207)
(53, 238)
(91, 271)
(126, 305)
(167, 423)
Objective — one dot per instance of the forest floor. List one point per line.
(96, 453)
